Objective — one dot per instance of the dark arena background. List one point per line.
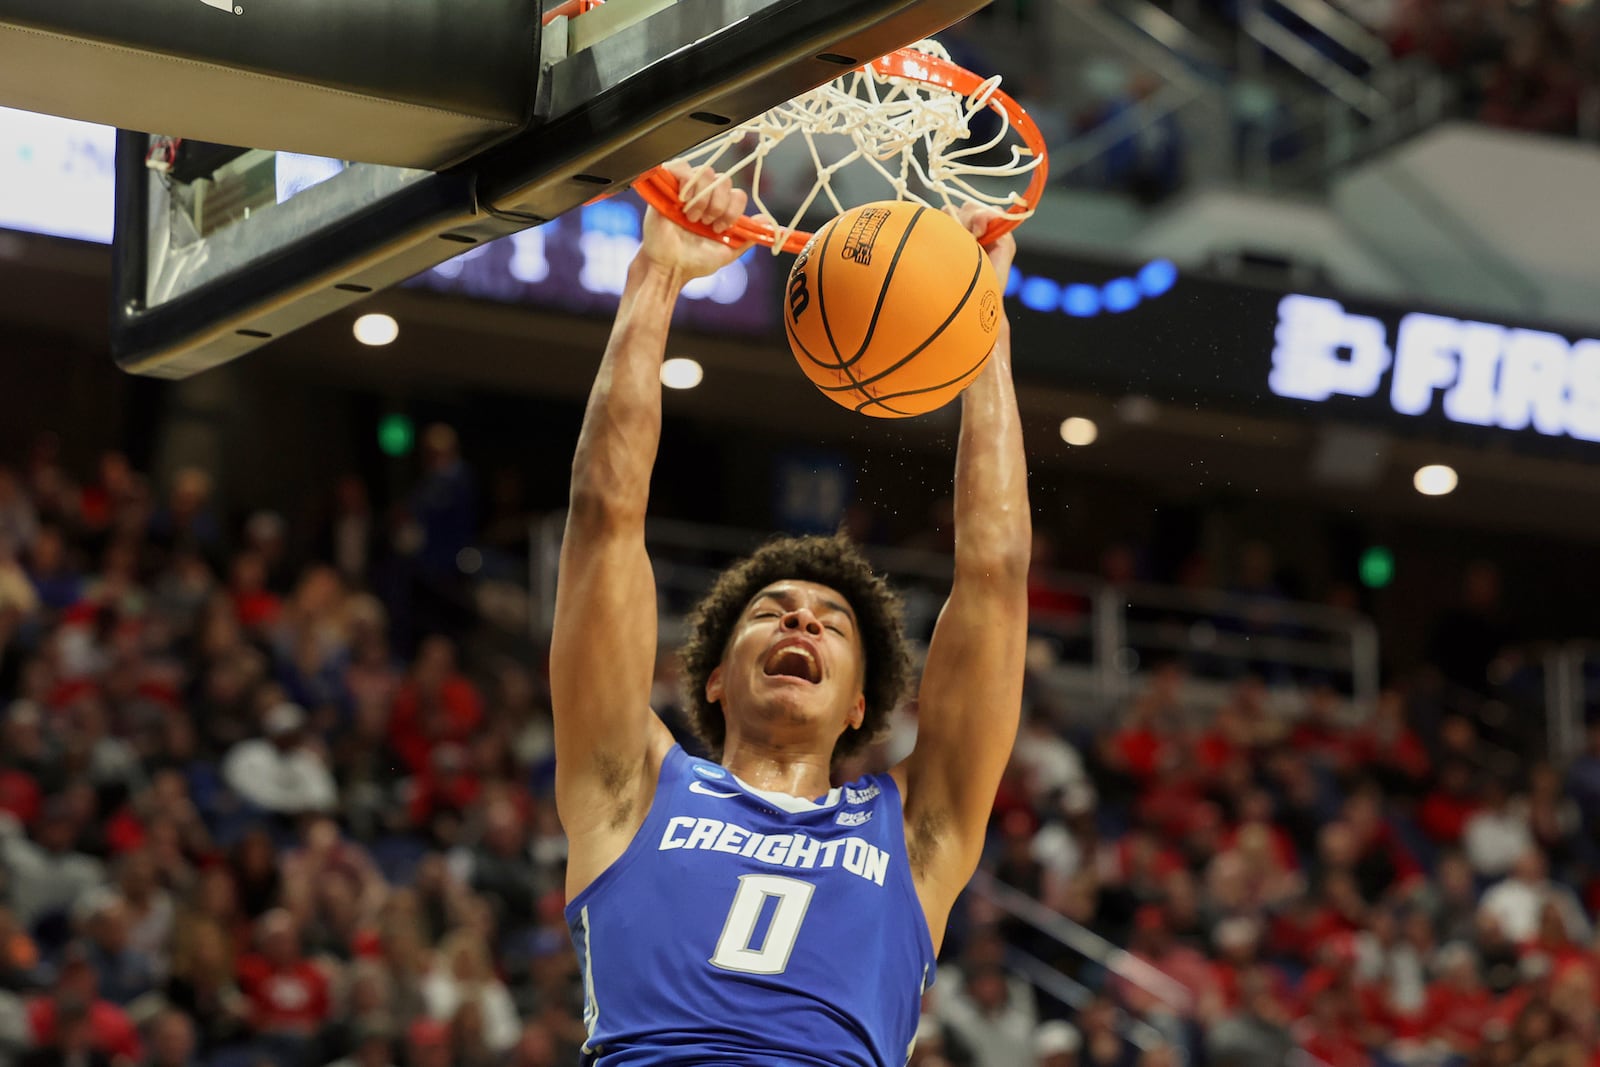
(1307, 343)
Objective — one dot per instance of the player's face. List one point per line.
(795, 659)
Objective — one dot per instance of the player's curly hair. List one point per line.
(831, 561)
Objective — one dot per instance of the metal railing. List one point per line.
(1103, 642)
(1171, 32)
(1572, 686)
(1119, 962)
(1103, 645)
(1086, 943)
(1262, 32)
(1332, 91)
(1364, 99)
(1173, 995)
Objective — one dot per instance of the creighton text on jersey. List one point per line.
(779, 850)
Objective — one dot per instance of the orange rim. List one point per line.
(570, 9)
(660, 189)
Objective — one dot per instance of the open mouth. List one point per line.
(794, 661)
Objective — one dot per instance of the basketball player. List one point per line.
(742, 912)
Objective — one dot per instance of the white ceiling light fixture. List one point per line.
(376, 329)
(1435, 479)
(681, 373)
(1079, 431)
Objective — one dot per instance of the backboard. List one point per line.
(218, 251)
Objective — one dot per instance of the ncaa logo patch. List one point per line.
(705, 771)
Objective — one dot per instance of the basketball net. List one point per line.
(906, 117)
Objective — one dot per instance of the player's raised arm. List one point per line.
(602, 652)
(971, 694)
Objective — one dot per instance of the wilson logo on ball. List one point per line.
(863, 235)
(799, 295)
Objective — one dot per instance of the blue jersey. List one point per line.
(740, 928)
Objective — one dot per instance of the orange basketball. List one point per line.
(892, 309)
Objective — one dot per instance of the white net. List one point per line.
(915, 136)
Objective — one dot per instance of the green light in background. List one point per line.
(396, 435)
(1376, 567)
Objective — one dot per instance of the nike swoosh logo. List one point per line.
(698, 786)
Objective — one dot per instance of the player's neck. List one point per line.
(777, 768)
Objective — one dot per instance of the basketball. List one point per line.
(892, 309)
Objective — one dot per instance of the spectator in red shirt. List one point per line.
(1387, 748)
(428, 1044)
(100, 500)
(1227, 737)
(443, 794)
(1140, 865)
(1554, 940)
(435, 705)
(1050, 605)
(1457, 1004)
(72, 1042)
(19, 795)
(288, 995)
(1383, 864)
(1323, 735)
(256, 606)
(1256, 816)
(1449, 804)
(1337, 911)
(1335, 978)
(1575, 997)
(1328, 1033)
(1153, 944)
(1174, 805)
(110, 1033)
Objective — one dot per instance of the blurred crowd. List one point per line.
(1347, 886)
(1531, 65)
(262, 812)
(237, 827)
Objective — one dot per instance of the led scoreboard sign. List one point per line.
(1476, 373)
(1197, 338)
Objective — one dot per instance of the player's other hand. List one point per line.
(1002, 250)
(708, 198)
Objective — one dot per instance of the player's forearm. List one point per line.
(622, 423)
(993, 531)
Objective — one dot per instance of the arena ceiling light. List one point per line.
(1079, 431)
(376, 329)
(681, 373)
(1435, 479)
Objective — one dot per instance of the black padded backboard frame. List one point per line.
(604, 115)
